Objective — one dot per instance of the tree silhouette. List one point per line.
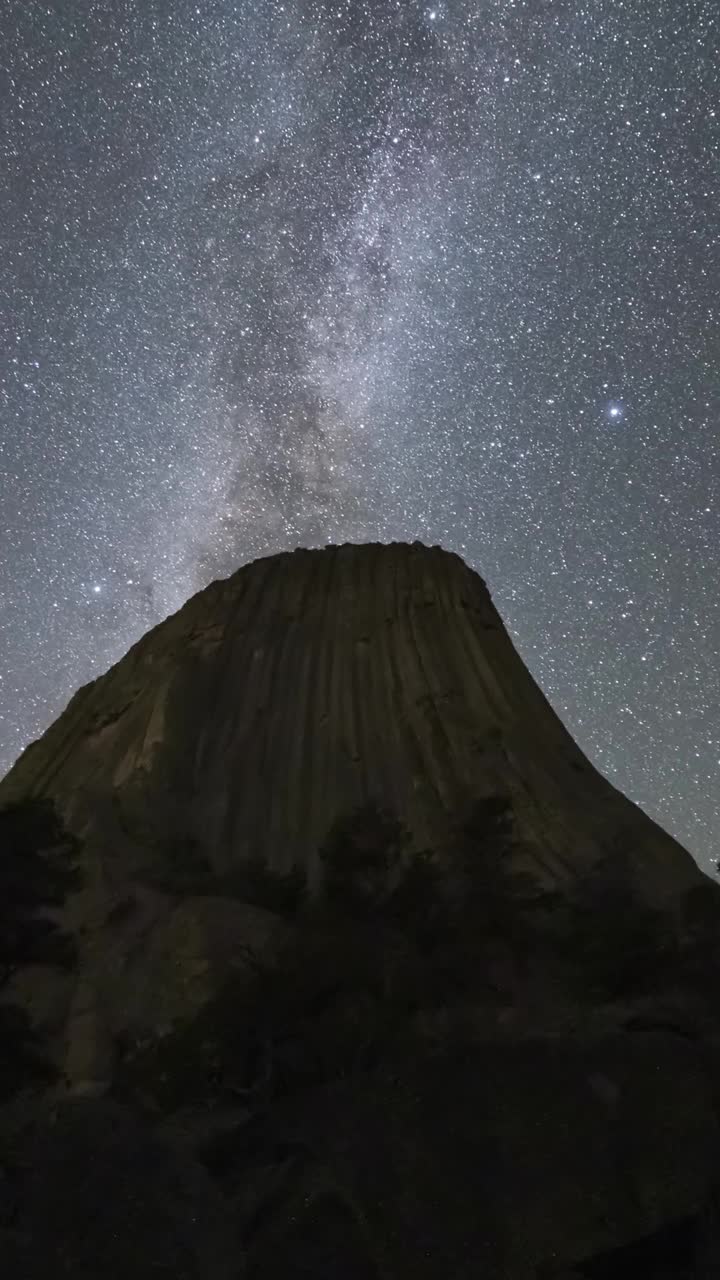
(363, 860)
(37, 871)
(618, 945)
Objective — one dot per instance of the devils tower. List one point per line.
(375, 976)
(310, 684)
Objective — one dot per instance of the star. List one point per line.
(328, 277)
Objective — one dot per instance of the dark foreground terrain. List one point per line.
(326, 953)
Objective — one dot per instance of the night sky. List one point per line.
(279, 274)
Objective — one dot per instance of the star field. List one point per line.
(279, 274)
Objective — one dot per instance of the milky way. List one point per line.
(280, 274)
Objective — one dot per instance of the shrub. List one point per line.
(618, 945)
(185, 869)
(256, 883)
(494, 898)
(363, 860)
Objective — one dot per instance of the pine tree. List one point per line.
(38, 870)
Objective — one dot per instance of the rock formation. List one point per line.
(363, 933)
(307, 685)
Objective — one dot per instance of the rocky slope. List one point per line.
(279, 700)
(362, 935)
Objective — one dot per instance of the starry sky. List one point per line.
(288, 273)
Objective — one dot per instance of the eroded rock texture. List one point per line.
(365, 941)
(312, 683)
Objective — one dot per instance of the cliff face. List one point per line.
(362, 936)
(279, 701)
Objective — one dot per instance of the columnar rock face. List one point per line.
(310, 684)
(475, 1031)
